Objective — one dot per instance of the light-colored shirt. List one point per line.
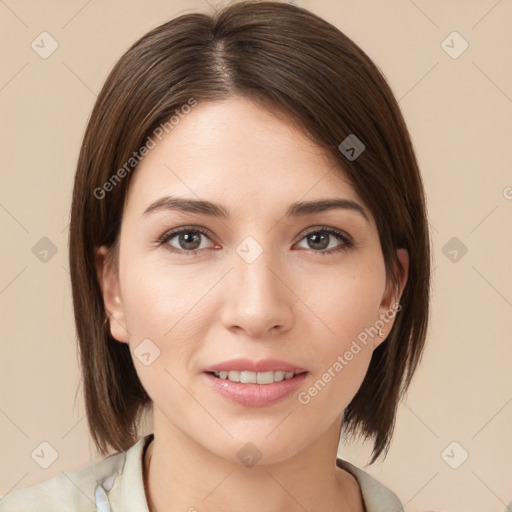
(115, 484)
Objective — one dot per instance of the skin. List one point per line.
(292, 303)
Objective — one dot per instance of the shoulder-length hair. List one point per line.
(292, 62)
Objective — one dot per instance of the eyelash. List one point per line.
(347, 242)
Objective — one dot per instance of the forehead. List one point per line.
(237, 153)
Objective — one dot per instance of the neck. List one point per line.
(180, 474)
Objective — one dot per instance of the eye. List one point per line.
(323, 240)
(188, 240)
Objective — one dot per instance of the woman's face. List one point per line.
(270, 279)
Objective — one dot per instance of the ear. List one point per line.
(112, 299)
(391, 298)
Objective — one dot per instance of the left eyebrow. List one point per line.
(301, 208)
(297, 209)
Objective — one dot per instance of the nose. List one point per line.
(259, 301)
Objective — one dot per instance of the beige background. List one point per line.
(459, 112)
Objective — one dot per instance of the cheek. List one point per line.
(157, 300)
(168, 308)
(161, 322)
(346, 302)
(340, 360)
(346, 308)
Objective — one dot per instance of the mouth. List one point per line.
(249, 377)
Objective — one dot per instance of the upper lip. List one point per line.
(263, 365)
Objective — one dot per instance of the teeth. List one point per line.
(246, 377)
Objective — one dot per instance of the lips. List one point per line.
(263, 365)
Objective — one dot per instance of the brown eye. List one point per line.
(319, 240)
(185, 240)
(324, 241)
(189, 240)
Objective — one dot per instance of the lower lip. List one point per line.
(255, 395)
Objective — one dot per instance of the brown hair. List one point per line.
(300, 67)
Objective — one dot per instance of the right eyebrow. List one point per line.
(187, 205)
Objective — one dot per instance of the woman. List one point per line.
(250, 264)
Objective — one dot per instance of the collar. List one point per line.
(125, 489)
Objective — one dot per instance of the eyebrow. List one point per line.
(297, 209)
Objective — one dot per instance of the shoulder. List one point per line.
(376, 496)
(73, 491)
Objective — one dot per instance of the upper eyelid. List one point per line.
(184, 229)
(319, 228)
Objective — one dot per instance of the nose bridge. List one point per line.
(257, 299)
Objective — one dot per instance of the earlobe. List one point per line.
(109, 283)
